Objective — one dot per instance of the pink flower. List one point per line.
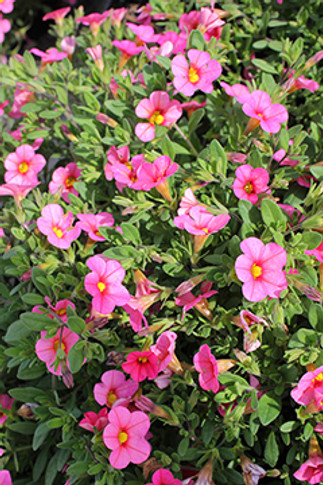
(198, 74)
(2, 234)
(23, 165)
(94, 20)
(238, 91)
(68, 45)
(188, 201)
(261, 269)
(96, 54)
(237, 157)
(189, 301)
(192, 106)
(207, 21)
(141, 365)
(22, 95)
(303, 83)
(19, 192)
(57, 15)
(6, 6)
(115, 389)
(116, 155)
(5, 403)
(310, 388)
(125, 436)
(164, 349)
(90, 223)
(58, 226)
(201, 222)
(5, 477)
(178, 40)
(145, 33)
(269, 116)
(104, 284)
(5, 26)
(49, 56)
(159, 110)
(46, 348)
(249, 322)
(319, 428)
(60, 308)
(250, 182)
(92, 420)
(115, 87)
(154, 174)
(126, 175)
(164, 477)
(205, 363)
(63, 179)
(117, 15)
(311, 471)
(317, 252)
(5, 103)
(127, 47)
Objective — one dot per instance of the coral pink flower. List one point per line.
(237, 157)
(269, 116)
(49, 56)
(46, 348)
(127, 47)
(6, 6)
(261, 269)
(114, 389)
(200, 222)
(90, 223)
(317, 252)
(206, 364)
(250, 182)
(159, 110)
(154, 174)
(22, 95)
(311, 471)
(19, 192)
(238, 91)
(188, 300)
(5, 26)
(58, 226)
(63, 179)
(57, 15)
(92, 420)
(145, 33)
(141, 365)
(23, 165)
(164, 477)
(192, 106)
(60, 308)
(116, 155)
(198, 74)
(104, 284)
(125, 436)
(303, 83)
(5, 403)
(5, 477)
(207, 21)
(68, 45)
(164, 349)
(310, 388)
(94, 20)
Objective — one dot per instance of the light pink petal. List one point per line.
(145, 131)
(120, 457)
(138, 448)
(180, 66)
(254, 290)
(145, 108)
(253, 248)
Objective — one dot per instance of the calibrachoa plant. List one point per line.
(161, 246)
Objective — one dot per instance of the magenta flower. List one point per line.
(116, 155)
(23, 165)
(311, 471)
(259, 107)
(238, 91)
(92, 420)
(178, 40)
(310, 388)
(5, 403)
(63, 179)
(57, 226)
(250, 182)
(57, 15)
(126, 175)
(94, 20)
(164, 477)
(90, 223)
(104, 284)
(5, 477)
(46, 348)
(5, 26)
(188, 300)
(261, 269)
(205, 363)
(6, 6)
(200, 222)
(125, 436)
(49, 56)
(141, 365)
(303, 83)
(198, 74)
(127, 47)
(158, 110)
(155, 174)
(164, 349)
(317, 252)
(319, 428)
(117, 15)
(145, 33)
(5, 103)
(114, 390)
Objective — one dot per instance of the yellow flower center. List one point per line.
(256, 271)
(56, 345)
(111, 398)
(101, 286)
(142, 360)
(23, 166)
(156, 118)
(205, 229)
(260, 115)
(62, 311)
(193, 76)
(248, 188)
(318, 378)
(123, 437)
(69, 182)
(58, 232)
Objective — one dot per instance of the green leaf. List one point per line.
(40, 435)
(32, 299)
(264, 66)
(16, 332)
(183, 446)
(268, 409)
(35, 321)
(51, 470)
(168, 147)
(55, 423)
(272, 214)
(219, 163)
(195, 119)
(130, 233)
(311, 239)
(317, 172)
(51, 114)
(76, 357)
(92, 102)
(196, 40)
(76, 324)
(271, 450)
(23, 427)
(28, 394)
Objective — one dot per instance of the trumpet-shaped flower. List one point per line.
(250, 182)
(23, 165)
(17, 191)
(311, 471)
(127, 47)
(46, 348)
(154, 174)
(63, 179)
(125, 436)
(178, 40)
(94, 20)
(104, 284)
(164, 477)
(189, 301)
(5, 477)
(310, 388)
(68, 45)
(206, 20)
(92, 420)
(5, 403)
(57, 226)
(114, 388)
(50, 55)
(116, 155)
(200, 222)
(205, 363)
(158, 110)
(57, 15)
(259, 107)
(22, 95)
(90, 223)
(145, 33)
(199, 73)
(261, 269)
(164, 349)
(141, 365)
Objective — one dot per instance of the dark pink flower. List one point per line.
(317, 252)
(116, 155)
(5, 26)
(23, 165)
(94, 20)
(57, 15)
(319, 428)
(154, 174)
(250, 182)
(205, 363)
(178, 40)
(49, 56)
(5, 403)
(5, 477)
(141, 365)
(201, 222)
(60, 308)
(114, 389)
(164, 477)
(92, 420)
(57, 226)
(311, 471)
(164, 349)
(207, 21)
(145, 33)
(22, 95)
(127, 47)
